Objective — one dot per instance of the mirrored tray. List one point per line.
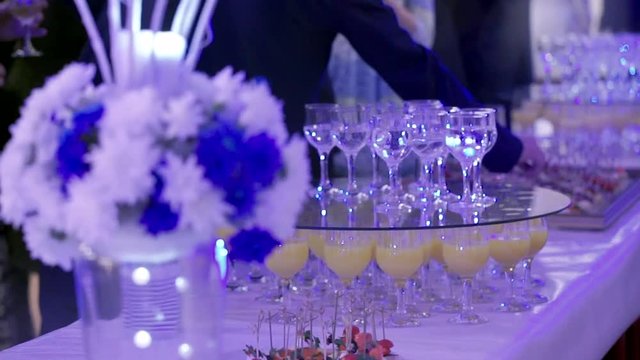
(513, 204)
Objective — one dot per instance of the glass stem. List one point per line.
(449, 283)
(411, 292)
(325, 183)
(477, 183)
(426, 283)
(401, 305)
(510, 276)
(394, 182)
(467, 294)
(466, 189)
(348, 313)
(527, 273)
(442, 184)
(283, 290)
(351, 173)
(375, 178)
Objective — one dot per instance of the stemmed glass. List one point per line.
(466, 137)
(351, 132)
(539, 234)
(479, 197)
(318, 130)
(400, 256)
(371, 114)
(26, 11)
(427, 141)
(391, 141)
(466, 252)
(347, 254)
(447, 303)
(286, 261)
(507, 249)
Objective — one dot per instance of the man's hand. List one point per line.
(532, 160)
(11, 29)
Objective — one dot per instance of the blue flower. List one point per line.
(261, 159)
(70, 158)
(218, 152)
(252, 245)
(158, 217)
(241, 196)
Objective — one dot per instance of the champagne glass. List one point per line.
(351, 132)
(391, 141)
(318, 130)
(539, 234)
(286, 261)
(507, 249)
(371, 114)
(448, 303)
(466, 137)
(400, 256)
(479, 197)
(26, 12)
(347, 254)
(466, 252)
(427, 141)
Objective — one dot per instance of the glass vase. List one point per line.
(167, 309)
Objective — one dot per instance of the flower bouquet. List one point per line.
(132, 179)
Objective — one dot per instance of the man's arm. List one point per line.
(413, 71)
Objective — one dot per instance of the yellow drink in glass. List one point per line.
(348, 261)
(286, 260)
(465, 261)
(509, 252)
(399, 263)
(538, 241)
(436, 250)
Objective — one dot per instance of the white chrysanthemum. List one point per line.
(135, 113)
(122, 167)
(50, 250)
(202, 209)
(225, 86)
(42, 190)
(262, 113)
(91, 217)
(69, 82)
(278, 207)
(183, 116)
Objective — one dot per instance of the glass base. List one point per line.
(236, 285)
(535, 298)
(401, 320)
(468, 318)
(513, 305)
(463, 206)
(352, 198)
(447, 306)
(428, 295)
(484, 200)
(417, 313)
(320, 192)
(25, 52)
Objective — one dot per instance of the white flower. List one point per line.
(65, 85)
(122, 167)
(202, 209)
(278, 207)
(135, 113)
(90, 216)
(225, 86)
(262, 112)
(51, 251)
(183, 116)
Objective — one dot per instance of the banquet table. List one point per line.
(592, 283)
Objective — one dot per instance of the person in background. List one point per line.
(15, 264)
(353, 80)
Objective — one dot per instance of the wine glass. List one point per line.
(466, 252)
(427, 141)
(347, 254)
(447, 303)
(286, 261)
(479, 197)
(26, 12)
(351, 132)
(466, 137)
(318, 130)
(371, 114)
(539, 234)
(440, 184)
(400, 256)
(507, 249)
(391, 141)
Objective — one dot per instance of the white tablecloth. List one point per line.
(593, 280)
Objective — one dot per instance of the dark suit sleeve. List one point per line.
(413, 71)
